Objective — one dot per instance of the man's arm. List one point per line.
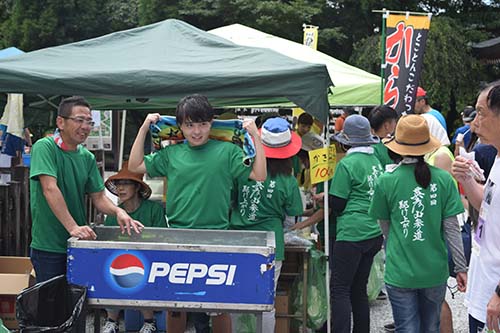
(473, 190)
(104, 204)
(493, 312)
(136, 159)
(58, 205)
(259, 168)
(316, 217)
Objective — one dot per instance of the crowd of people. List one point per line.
(399, 188)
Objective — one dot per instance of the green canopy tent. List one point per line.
(352, 86)
(153, 66)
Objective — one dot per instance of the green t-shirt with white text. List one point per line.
(416, 255)
(263, 205)
(354, 180)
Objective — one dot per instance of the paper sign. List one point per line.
(323, 163)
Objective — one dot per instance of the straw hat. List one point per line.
(125, 174)
(278, 140)
(412, 137)
(356, 132)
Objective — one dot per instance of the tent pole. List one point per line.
(122, 139)
(327, 245)
(383, 65)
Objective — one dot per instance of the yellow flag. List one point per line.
(311, 36)
(323, 162)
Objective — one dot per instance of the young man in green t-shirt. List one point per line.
(62, 172)
(197, 170)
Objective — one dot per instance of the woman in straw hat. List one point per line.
(263, 205)
(133, 194)
(416, 205)
(358, 236)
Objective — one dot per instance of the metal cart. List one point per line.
(192, 270)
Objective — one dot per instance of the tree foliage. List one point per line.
(349, 30)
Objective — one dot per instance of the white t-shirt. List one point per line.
(484, 271)
(436, 129)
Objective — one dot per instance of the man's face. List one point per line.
(303, 129)
(419, 105)
(486, 123)
(76, 128)
(196, 133)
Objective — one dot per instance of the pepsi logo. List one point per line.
(127, 270)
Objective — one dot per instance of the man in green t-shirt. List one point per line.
(62, 172)
(201, 174)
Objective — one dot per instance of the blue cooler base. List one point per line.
(134, 320)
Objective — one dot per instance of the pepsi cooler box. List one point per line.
(162, 268)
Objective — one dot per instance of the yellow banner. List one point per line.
(323, 162)
(311, 37)
(416, 21)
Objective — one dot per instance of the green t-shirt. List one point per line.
(149, 213)
(380, 151)
(416, 255)
(354, 180)
(76, 174)
(263, 205)
(200, 181)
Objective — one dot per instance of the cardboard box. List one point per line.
(16, 274)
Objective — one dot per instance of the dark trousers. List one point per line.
(48, 264)
(475, 325)
(351, 264)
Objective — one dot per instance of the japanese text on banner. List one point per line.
(323, 163)
(311, 37)
(404, 55)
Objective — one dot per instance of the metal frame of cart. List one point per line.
(96, 264)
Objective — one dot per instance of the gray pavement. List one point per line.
(381, 314)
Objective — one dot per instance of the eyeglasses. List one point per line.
(80, 121)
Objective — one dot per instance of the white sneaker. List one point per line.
(110, 327)
(148, 328)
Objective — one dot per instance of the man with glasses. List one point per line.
(62, 172)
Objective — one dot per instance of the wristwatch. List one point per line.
(497, 290)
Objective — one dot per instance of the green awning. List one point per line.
(153, 66)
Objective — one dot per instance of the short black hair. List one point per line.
(195, 108)
(66, 105)
(380, 114)
(493, 98)
(260, 120)
(306, 119)
(281, 166)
